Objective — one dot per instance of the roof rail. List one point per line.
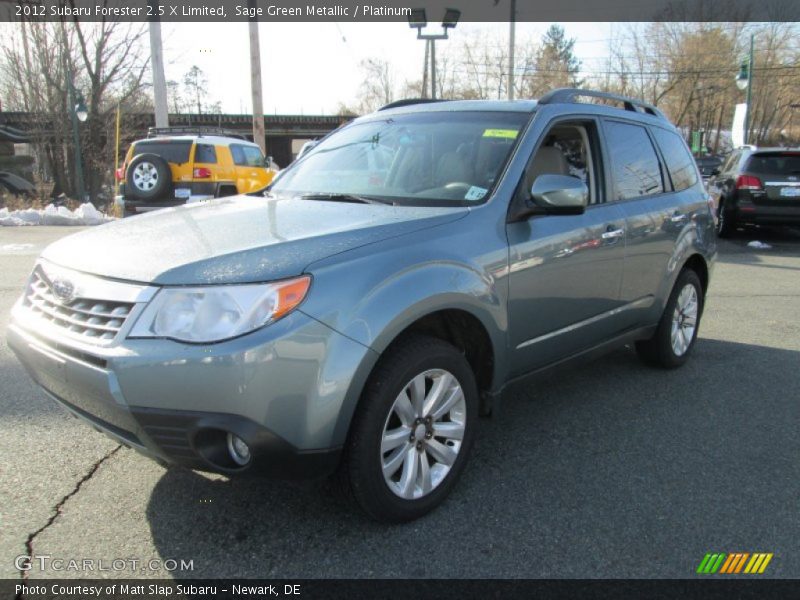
(408, 102)
(570, 95)
(192, 130)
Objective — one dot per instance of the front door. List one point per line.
(565, 270)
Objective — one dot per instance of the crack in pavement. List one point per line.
(57, 511)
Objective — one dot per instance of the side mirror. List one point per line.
(268, 162)
(554, 195)
(306, 148)
(560, 194)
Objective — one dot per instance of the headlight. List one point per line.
(216, 313)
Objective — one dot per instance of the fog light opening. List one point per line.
(238, 450)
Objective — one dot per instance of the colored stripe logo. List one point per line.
(736, 562)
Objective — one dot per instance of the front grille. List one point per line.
(99, 320)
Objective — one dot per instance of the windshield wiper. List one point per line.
(354, 198)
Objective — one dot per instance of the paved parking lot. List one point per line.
(615, 470)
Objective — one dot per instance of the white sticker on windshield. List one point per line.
(475, 193)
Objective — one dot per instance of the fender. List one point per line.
(404, 285)
(696, 239)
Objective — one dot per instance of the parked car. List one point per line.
(707, 164)
(358, 325)
(176, 165)
(757, 186)
(16, 185)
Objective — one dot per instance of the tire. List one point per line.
(405, 493)
(148, 177)
(726, 223)
(669, 347)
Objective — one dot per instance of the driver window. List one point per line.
(565, 150)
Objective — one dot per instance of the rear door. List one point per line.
(721, 186)
(177, 154)
(654, 215)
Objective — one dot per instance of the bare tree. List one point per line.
(378, 86)
(196, 84)
(688, 70)
(108, 65)
(177, 101)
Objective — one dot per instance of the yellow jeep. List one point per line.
(176, 165)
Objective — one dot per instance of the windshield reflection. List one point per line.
(418, 159)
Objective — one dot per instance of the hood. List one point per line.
(235, 240)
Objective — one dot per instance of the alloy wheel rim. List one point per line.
(423, 434)
(684, 320)
(145, 176)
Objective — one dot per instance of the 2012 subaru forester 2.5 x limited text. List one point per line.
(385, 290)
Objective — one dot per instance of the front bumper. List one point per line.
(288, 390)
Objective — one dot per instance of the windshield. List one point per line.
(419, 159)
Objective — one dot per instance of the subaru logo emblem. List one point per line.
(63, 290)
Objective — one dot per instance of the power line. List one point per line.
(523, 70)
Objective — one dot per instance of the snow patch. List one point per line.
(759, 245)
(85, 214)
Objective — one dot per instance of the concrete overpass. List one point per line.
(281, 130)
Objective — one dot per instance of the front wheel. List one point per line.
(677, 331)
(414, 428)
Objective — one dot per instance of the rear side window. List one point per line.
(777, 163)
(170, 151)
(635, 164)
(731, 161)
(247, 156)
(680, 163)
(205, 153)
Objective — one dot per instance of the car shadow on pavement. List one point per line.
(611, 469)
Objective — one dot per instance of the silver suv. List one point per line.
(383, 292)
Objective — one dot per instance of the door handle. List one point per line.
(678, 218)
(612, 234)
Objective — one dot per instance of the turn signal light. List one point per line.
(201, 173)
(748, 182)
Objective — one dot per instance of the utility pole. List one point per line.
(157, 65)
(433, 69)
(259, 135)
(425, 70)
(750, 74)
(511, 35)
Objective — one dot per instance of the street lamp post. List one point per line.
(744, 80)
(77, 112)
(417, 19)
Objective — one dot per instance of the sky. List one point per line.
(308, 68)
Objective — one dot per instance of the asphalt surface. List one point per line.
(610, 470)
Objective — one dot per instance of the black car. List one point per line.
(707, 164)
(757, 186)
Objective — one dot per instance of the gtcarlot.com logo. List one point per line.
(735, 562)
(45, 562)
